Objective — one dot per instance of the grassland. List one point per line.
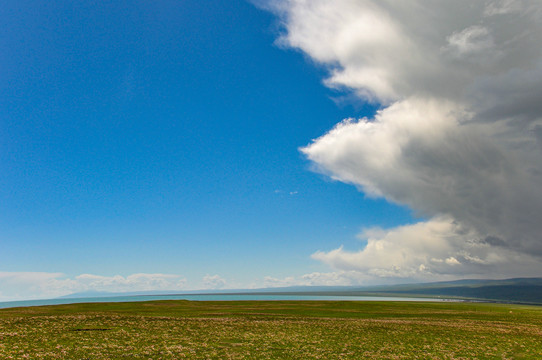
(272, 330)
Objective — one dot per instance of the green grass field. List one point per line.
(272, 330)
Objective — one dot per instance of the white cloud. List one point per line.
(429, 250)
(387, 50)
(450, 261)
(503, 7)
(336, 278)
(134, 282)
(270, 281)
(41, 285)
(459, 139)
(213, 282)
(473, 40)
(28, 285)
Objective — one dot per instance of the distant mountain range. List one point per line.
(517, 290)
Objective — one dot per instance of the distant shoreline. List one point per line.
(221, 297)
(526, 291)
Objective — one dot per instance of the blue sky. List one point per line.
(163, 137)
(201, 144)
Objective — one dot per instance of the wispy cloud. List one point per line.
(213, 282)
(334, 278)
(39, 285)
(459, 139)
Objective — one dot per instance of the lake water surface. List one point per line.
(209, 297)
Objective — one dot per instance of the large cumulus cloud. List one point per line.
(459, 135)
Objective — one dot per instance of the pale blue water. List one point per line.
(207, 297)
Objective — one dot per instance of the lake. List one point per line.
(209, 297)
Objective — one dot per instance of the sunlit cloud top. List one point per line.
(459, 135)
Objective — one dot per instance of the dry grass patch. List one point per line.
(272, 330)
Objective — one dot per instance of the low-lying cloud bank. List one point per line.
(459, 135)
(44, 285)
(436, 249)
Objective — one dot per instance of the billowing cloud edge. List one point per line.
(458, 139)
